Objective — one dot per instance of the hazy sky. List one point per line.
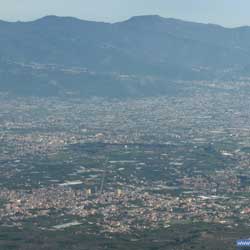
(224, 12)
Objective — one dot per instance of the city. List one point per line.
(123, 167)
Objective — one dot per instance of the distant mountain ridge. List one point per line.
(136, 57)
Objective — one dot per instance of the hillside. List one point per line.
(142, 56)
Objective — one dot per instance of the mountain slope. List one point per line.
(66, 54)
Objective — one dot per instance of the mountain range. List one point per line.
(142, 56)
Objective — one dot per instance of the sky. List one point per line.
(230, 13)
